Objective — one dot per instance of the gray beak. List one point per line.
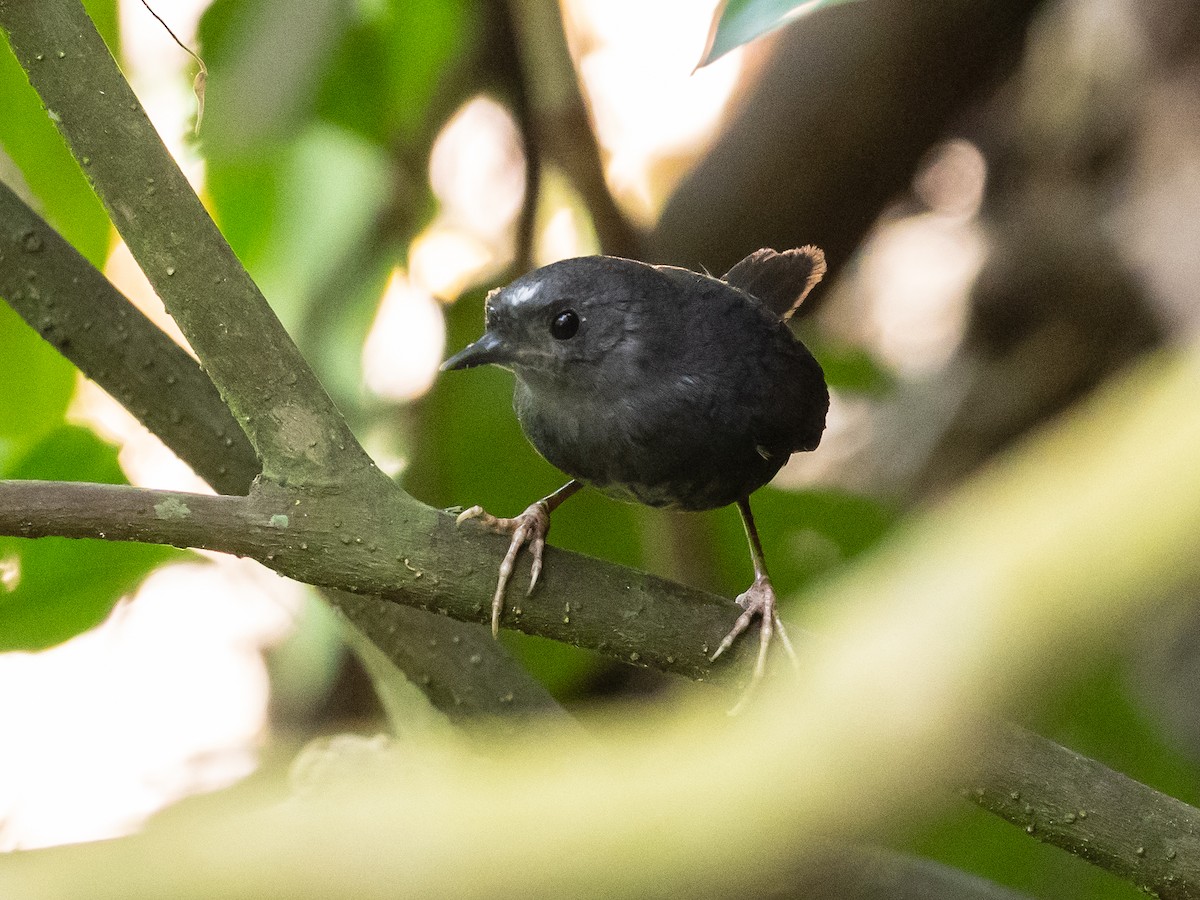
(488, 349)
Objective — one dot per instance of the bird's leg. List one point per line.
(530, 527)
(758, 600)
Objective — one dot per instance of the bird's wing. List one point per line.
(780, 280)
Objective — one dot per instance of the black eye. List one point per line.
(564, 325)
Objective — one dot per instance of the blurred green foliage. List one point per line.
(38, 384)
(66, 586)
(848, 368)
(321, 205)
(320, 199)
(48, 600)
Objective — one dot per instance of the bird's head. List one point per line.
(568, 324)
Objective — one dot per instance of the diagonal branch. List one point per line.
(1065, 799)
(77, 310)
(272, 392)
(462, 670)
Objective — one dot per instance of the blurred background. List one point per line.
(1007, 192)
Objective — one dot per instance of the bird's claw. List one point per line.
(758, 600)
(530, 527)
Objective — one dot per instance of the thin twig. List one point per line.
(201, 80)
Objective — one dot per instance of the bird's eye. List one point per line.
(564, 325)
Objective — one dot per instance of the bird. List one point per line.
(657, 385)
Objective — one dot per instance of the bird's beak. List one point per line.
(488, 349)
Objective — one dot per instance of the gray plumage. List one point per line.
(672, 388)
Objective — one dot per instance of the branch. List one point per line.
(78, 311)
(359, 541)
(118, 512)
(1091, 811)
(75, 307)
(1085, 568)
(272, 392)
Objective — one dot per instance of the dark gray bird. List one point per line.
(658, 385)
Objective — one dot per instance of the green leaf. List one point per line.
(385, 76)
(849, 368)
(738, 22)
(63, 587)
(805, 535)
(37, 385)
(317, 279)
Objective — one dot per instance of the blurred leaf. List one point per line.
(564, 671)
(974, 840)
(849, 368)
(65, 587)
(324, 210)
(298, 218)
(266, 59)
(332, 183)
(738, 22)
(37, 385)
(245, 196)
(805, 535)
(70, 453)
(386, 73)
(30, 139)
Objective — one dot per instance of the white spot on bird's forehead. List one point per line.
(522, 294)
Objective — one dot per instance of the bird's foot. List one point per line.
(758, 600)
(530, 527)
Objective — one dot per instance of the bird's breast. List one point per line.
(678, 446)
